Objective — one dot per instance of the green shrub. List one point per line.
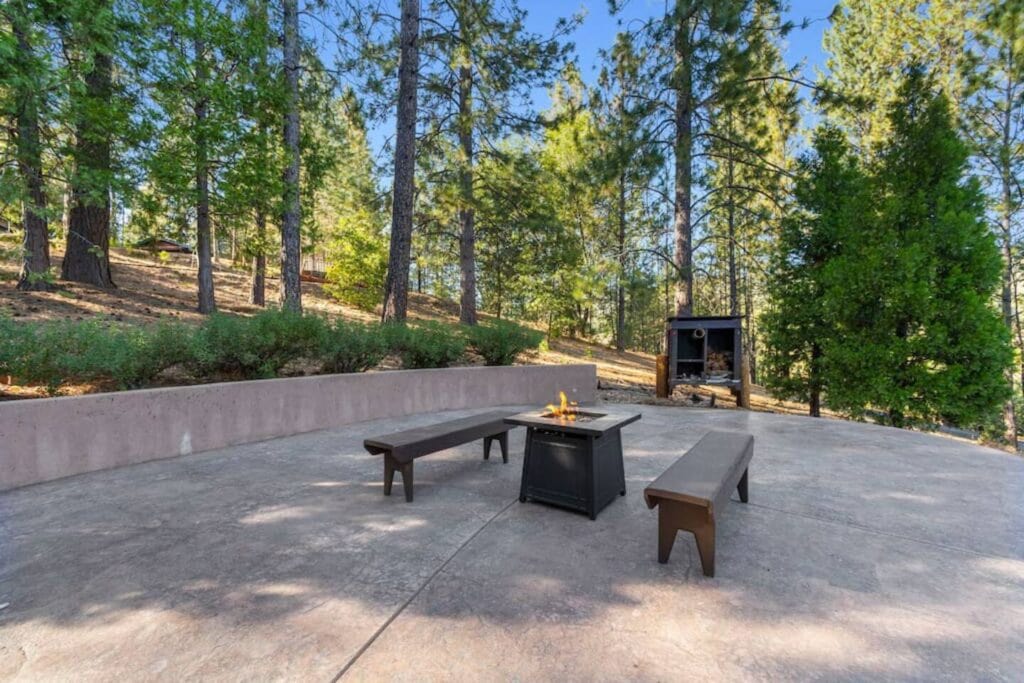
(426, 345)
(56, 353)
(11, 339)
(352, 347)
(501, 341)
(256, 347)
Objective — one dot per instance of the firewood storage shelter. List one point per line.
(704, 350)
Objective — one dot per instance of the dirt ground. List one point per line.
(151, 289)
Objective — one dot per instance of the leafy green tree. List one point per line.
(916, 332)
(831, 203)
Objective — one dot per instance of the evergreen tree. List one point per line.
(994, 119)
(396, 286)
(697, 60)
(871, 43)
(831, 203)
(98, 112)
(28, 79)
(291, 209)
(479, 64)
(916, 333)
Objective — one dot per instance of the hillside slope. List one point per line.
(150, 289)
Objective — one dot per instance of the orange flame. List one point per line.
(566, 410)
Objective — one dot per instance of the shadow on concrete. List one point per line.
(864, 552)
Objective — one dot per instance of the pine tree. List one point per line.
(291, 210)
(479, 64)
(994, 120)
(97, 109)
(396, 287)
(696, 62)
(196, 96)
(871, 43)
(28, 80)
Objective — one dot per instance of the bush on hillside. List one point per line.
(426, 345)
(352, 347)
(56, 353)
(500, 342)
(256, 347)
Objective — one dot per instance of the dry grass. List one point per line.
(149, 289)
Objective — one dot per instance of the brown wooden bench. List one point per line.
(400, 449)
(695, 487)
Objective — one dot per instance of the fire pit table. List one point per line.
(574, 460)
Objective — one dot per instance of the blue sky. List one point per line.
(599, 27)
(803, 46)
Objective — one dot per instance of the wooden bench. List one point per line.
(695, 487)
(400, 449)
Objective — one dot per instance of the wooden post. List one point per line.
(661, 376)
(743, 399)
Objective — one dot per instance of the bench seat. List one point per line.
(400, 449)
(697, 486)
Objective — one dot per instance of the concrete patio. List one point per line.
(865, 552)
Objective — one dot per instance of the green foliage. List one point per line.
(426, 344)
(352, 347)
(358, 260)
(501, 341)
(832, 201)
(886, 303)
(256, 347)
(56, 353)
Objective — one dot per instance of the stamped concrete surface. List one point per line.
(864, 553)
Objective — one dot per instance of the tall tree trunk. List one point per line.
(734, 294)
(814, 382)
(291, 220)
(620, 289)
(35, 265)
(683, 86)
(258, 292)
(467, 213)
(396, 287)
(87, 256)
(207, 303)
(1006, 223)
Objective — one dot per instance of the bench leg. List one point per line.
(666, 535)
(502, 440)
(705, 536)
(674, 517)
(406, 470)
(389, 473)
(742, 486)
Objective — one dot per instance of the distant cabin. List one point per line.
(163, 244)
(314, 268)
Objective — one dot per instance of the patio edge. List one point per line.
(46, 439)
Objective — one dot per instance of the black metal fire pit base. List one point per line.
(574, 465)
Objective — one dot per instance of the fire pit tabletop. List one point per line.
(598, 421)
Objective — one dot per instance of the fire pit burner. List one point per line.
(576, 417)
(573, 461)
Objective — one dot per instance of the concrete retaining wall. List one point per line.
(50, 438)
